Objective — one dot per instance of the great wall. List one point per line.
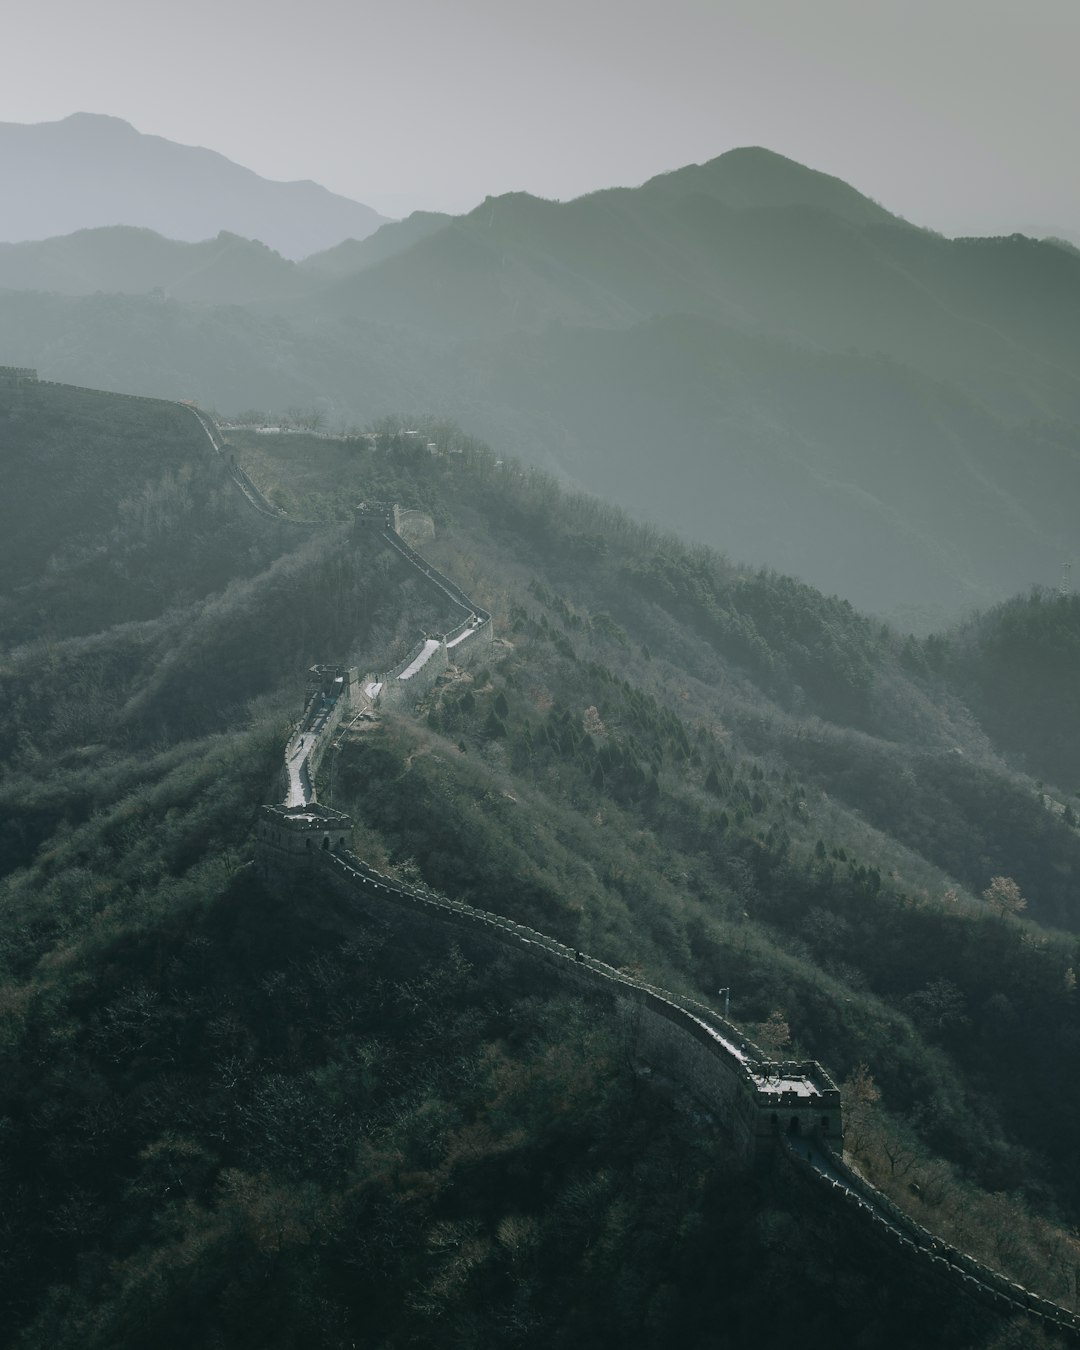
(785, 1113)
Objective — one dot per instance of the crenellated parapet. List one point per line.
(13, 377)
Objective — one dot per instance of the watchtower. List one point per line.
(291, 838)
(799, 1099)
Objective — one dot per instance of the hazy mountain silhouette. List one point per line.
(89, 170)
(125, 259)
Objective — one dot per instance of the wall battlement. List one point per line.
(14, 376)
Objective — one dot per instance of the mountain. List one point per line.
(126, 260)
(239, 1117)
(89, 170)
(996, 317)
(745, 350)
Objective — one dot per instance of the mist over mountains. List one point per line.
(747, 350)
(89, 170)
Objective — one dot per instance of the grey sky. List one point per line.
(959, 114)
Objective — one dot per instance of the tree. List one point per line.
(1003, 894)
(860, 1095)
(774, 1033)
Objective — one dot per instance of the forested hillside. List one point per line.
(235, 1117)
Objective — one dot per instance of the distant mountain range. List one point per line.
(747, 350)
(90, 170)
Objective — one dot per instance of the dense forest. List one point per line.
(239, 1117)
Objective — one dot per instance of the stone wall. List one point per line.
(685, 1044)
(334, 719)
(671, 1044)
(405, 693)
(924, 1254)
(458, 646)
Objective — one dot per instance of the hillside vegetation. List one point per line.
(238, 1118)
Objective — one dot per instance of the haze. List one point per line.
(959, 115)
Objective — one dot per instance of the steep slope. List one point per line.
(90, 170)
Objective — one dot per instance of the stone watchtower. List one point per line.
(291, 838)
(799, 1099)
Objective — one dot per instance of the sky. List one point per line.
(957, 114)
